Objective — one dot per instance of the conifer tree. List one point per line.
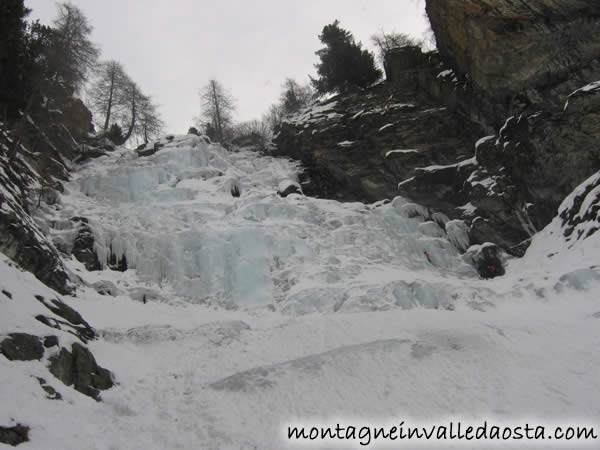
(344, 63)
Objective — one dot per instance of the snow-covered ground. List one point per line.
(264, 311)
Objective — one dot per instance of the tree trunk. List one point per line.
(218, 113)
(133, 113)
(110, 98)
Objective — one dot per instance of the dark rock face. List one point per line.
(535, 63)
(359, 146)
(22, 347)
(509, 47)
(20, 237)
(83, 246)
(546, 155)
(73, 323)
(21, 241)
(14, 435)
(79, 369)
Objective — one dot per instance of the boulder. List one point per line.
(14, 435)
(50, 341)
(487, 259)
(288, 187)
(78, 368)
(22, 347)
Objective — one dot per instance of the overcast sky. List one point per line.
(171, 48)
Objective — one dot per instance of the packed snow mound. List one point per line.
(172, 217)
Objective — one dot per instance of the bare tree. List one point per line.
(108, 91)
(274, 116)
(295, 96)
(135, 99)
(384, 42)
(217, 107)
(73, 49)
(255, 132)
(149, 124)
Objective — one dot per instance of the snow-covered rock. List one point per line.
(287, 187)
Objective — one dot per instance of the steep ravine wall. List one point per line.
(504, 121)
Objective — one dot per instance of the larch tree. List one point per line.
(139, 116)
(134, 98)
(107, 93)
(217, 108)
(74, 53)
(149, 124)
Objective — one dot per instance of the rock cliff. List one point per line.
(496, 129)
(507, 47)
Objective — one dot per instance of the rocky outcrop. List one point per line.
(580, 211)
(73, 323)
(73, 365)
(495, 129)
(20, 237)
(78, 368)
(56, 131)
(358, 147)
(532, 69)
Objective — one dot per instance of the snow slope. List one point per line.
(265, 310)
